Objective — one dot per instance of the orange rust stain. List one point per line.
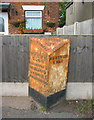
(48, 64)
(58, 71)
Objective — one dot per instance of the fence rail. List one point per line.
(15, 53)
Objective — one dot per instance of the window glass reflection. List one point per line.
(1, 24)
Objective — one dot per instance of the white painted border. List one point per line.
(74, 90)
(14, 89)
(33, 7)
(79, 90)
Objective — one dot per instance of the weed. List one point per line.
(42, 109)
(86, 106)
(70, 102)
(93, 102)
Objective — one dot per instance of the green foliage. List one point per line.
(45, 30)
(93, 102)
(34, 29)
(70, 102)
(50, 22)
(20, 28)
(40, 28)
(42, 109)
(86, 106)
(17, 23)
(62, 13)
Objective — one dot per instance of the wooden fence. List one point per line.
(15, 51)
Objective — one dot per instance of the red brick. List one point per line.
(53, 8)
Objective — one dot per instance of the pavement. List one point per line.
(26, 107)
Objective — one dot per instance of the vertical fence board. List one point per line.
(15, 58)
(5, 59)
(93, 59)
(72, 60)
(11, 58)
(88, 50)
(79, 58)
(0, 59)
(26, 49)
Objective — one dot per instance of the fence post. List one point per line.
(64, 29)
(76, 28)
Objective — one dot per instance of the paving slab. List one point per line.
(14, 113)
(18, 102)
(26, 107)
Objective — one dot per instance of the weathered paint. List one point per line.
(48, 64)
(58, 69)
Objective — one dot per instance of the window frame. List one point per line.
(33, 16)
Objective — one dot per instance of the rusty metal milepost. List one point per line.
(48, 69)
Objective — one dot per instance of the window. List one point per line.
(2, 25)
(33, 19)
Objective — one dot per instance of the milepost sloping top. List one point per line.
(49, 44)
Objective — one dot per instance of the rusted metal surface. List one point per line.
(48, 64)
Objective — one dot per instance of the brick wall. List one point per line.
(52, 7)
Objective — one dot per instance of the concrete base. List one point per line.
(79, 91)
(74, 90)
(14, 89)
